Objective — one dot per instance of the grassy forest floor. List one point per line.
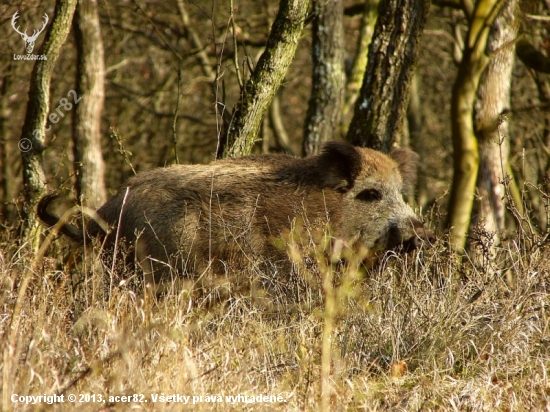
(413, 333)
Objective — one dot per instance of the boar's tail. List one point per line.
(50, 219)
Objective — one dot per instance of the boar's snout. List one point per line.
(405, 236)
(421, 236)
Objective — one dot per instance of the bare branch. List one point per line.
(195, 42)
(235, 48)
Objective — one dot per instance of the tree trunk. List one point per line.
(543, 85)
(465, 146)
(195, 42)
(264, 82)
(32, 135)
(327, 80)
(491, 126)
(416, 125)
(88, 159)
(530, 51)
(382, 104)
(355, 78)
(7, 180)
(276, 120)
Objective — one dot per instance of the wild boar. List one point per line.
(229, 212)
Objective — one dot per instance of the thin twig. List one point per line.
(235, 49)
(537, 17)
(123, 152)
(116, 241)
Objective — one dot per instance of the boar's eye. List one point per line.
(369, 195)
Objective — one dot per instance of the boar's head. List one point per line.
(374, 214)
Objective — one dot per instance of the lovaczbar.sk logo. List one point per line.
(29, 40)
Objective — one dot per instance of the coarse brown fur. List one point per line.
(229, 212)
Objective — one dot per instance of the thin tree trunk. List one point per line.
(382, 104)
(465, 145)
(355, 78)
(264, 82)
(88, 158)
(276, 121)
(194, 41)
(32, 135)
(327, 80)
(543, 85)
(530, 51)
(491, 126)
(6, 178)
(415, 123)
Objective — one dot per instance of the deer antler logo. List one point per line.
(29, 41)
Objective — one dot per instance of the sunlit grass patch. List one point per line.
(413, 332)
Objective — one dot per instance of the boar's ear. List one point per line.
(407, 163)
(344, 160)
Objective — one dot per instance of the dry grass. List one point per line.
(415, 334)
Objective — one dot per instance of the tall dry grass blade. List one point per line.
(326, 348)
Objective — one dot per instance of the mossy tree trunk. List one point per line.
(261, 87)
(465, 145)
(381, 107)
(327, 80)
(88, 159)
(32, 135)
